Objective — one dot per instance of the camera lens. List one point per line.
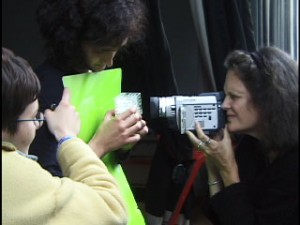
(154, 107)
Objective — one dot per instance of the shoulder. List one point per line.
(51, 83)
(47, 70)
(289, 161)
(283, 173)
(18, 169)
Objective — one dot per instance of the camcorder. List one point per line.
(182, 112)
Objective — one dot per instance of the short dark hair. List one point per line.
(20, 87)
(65, 25)
(271, 77)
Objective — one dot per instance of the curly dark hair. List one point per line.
(271, 77)
(66, 24)
(20, 87)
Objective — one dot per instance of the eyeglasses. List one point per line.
(38, 120)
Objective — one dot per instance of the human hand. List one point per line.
(64, 120)
(219, 153)
(142, 132)
(116, 131)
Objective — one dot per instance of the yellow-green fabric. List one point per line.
(93, 94)
(32, 196)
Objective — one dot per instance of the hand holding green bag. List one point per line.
(93, 95)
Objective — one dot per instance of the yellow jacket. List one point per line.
(87, 195)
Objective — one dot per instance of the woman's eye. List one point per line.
(234, 96)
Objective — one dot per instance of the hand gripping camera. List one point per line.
(183, 111)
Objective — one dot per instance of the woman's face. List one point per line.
(26, 130)
(100, 57)
(242, 115)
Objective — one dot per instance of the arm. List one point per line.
(270, 197)
(89, 195)
(220, 159)
(99, 189)
(81, 164)
(122, 131)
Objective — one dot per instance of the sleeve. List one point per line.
(233, 206)
(273, 199)
(81, 164)
(89, 195)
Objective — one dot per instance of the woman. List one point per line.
(253, 167)
(82, 36)
(30, 194)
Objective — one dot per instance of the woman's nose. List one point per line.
(109, 62)
(110, 59)
(225, 105)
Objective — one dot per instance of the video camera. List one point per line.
(182, 112)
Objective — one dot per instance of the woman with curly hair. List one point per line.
(84, 36)
(253, 177)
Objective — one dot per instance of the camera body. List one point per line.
(183, 111)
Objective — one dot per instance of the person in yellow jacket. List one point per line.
(87, 194)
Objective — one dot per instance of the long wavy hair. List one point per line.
(271, 77)
(66, 24)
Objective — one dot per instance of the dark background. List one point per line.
(20, 33)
